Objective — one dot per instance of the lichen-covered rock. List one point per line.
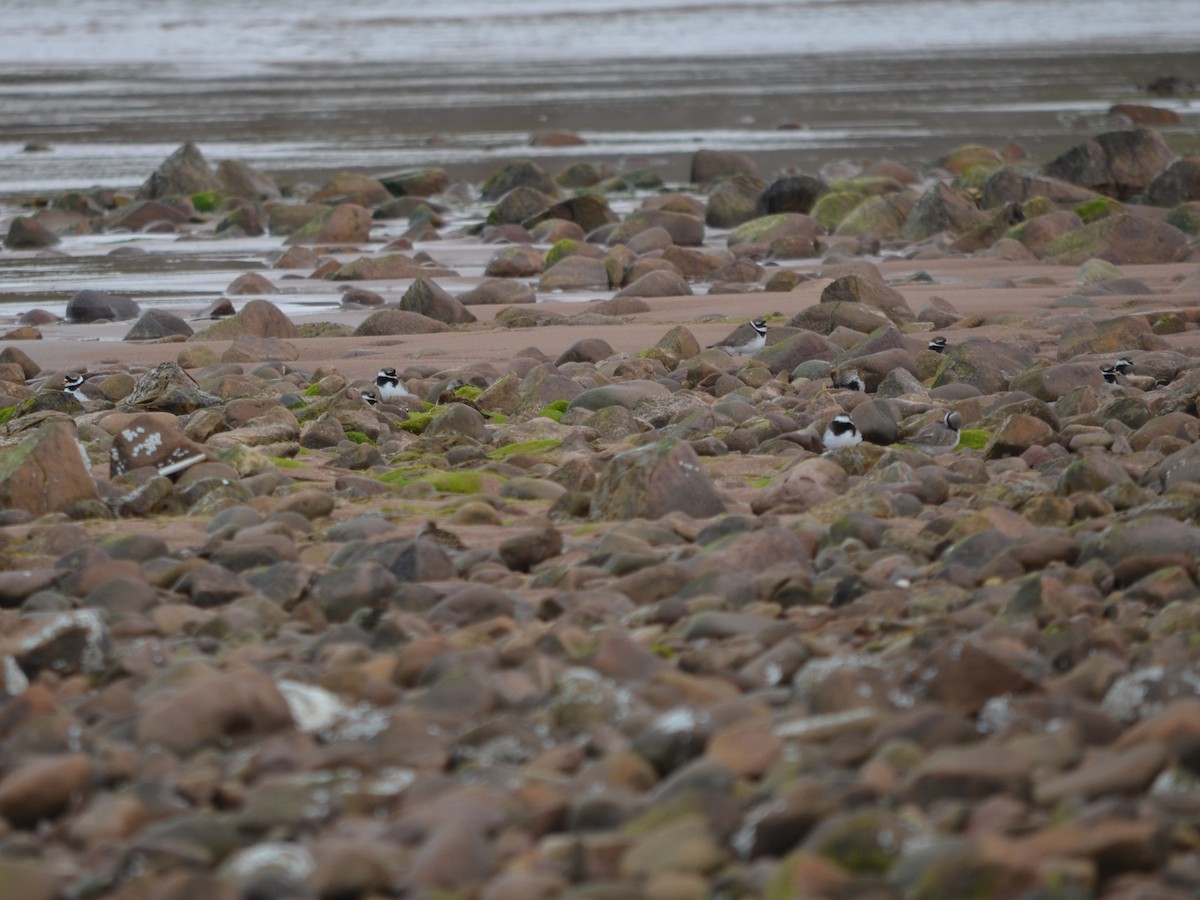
(1124, 238)
(149, 441)
(167, 388)
(184, 172)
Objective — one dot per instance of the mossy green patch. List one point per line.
(313, 390)
(1100, 208)
(7, 413)
(555, 410)
(359, 438)
(468, 392)
(396, 477)
(973, 438)
(560, 251)
(283, 462)
(457, 482)
(205, 201)
(525, 447)
(417, 422)
(832, 208)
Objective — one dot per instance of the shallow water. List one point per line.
(112, 87)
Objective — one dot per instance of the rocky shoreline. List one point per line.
(591, 611)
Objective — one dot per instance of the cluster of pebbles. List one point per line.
(600, 625)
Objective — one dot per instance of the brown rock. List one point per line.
(261, 318)
(871, 293)
(210, 707)
(184, 172)
(25, 233)
(968, 673)
(351, 187)
(390, 267)
(347, 223)
(515, 262)
(42, 787)
(395, 321)
(1016, 435)
(573, 273)
(651, 481)
(428, 299)
(251, 283)
(47, 472)
(1118, 164)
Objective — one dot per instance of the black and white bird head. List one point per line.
(73, 385)
(841, 432)
(389, 386)
(368, 397)
(1109, 373)
(937, 344)
(740, 343)
(1123, 366)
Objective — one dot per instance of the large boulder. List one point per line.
(241, 180)
(709, 165)
(520, 173)
(1123, 239)
(1178, 183)
(157, 324)
(25, 233)
(429, 299)
(1113, 335)
(1119, 164)
(167, 388)
(732, 201)
(588, 211)
(150, 441)
(398, 321)
(649, 482)
(574, 273)
(346, 223)
(941, 208)
(869, 292)
(93, 306)
(259, 317)
(184, 172)
(883, 216)
(519, 205)
(988, 365)
(388, 267)
(351, 187)
(791, 194)
(794, 227)
(685, 230)
(47, 472)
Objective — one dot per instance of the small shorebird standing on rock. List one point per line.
(937, 344)
(841, 432)
(940, 436)
(388, 383)
(740, 342)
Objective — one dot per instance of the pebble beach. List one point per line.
(589, 609)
